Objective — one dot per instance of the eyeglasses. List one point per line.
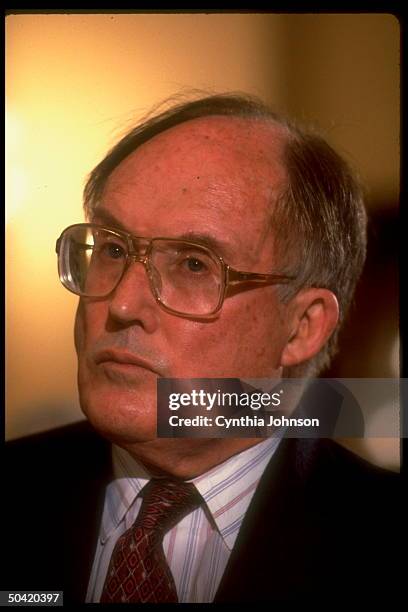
(186, 278)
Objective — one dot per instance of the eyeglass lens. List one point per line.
(185, 277)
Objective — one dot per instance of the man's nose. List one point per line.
(133, 301)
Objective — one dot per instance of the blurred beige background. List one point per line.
(75, 82)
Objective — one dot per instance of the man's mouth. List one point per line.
(124, 361)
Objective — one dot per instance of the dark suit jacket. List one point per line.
(323, 524)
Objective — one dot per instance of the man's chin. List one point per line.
(121, 425)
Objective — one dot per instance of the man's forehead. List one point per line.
(220, 175)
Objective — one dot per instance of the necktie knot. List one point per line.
(165, 503)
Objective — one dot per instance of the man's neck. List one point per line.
(186, 458)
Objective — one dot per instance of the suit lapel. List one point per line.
(268, 559)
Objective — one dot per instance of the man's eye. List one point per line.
(112, 250)
(193, 264)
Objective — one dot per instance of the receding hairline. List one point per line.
(271, 136)
(251, 120)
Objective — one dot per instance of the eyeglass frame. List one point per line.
(229, 275)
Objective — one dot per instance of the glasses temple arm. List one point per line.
(234, 277)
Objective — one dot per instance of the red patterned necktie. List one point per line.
(138, 571)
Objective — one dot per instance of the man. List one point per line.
(222, 242)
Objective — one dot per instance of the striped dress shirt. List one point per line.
(197, 549)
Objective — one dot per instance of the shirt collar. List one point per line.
(129, 478)
(227, 488)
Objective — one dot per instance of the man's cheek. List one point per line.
(79, 329)
(89, 324)
(210, 350)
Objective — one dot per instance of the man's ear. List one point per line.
(314, 314)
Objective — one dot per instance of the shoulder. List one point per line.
(324, 462)
(55, 468)
(60, 450)
(343, 473)
(80, 431)
(327, 459)
(353, 504)
(332, 476)
(329, 485)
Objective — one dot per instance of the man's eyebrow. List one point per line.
(221, 247)
(106, 217)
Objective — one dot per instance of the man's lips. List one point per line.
(124, 358)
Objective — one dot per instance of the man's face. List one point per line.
(216, 177)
